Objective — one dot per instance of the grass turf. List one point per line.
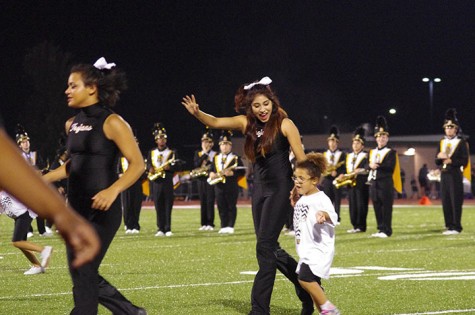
(195, 272)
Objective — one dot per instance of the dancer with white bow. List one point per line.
(269, 134)
(96, 137)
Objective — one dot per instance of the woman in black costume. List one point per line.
(96, 138)
(269, 134)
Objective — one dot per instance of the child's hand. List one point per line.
(321, 217)
(294, 196)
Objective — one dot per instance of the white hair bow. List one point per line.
(101, 64)
(263, 81)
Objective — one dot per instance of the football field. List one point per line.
(416, 271)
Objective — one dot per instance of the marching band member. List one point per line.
(131, 199)
(202, 161)
(383, 177)
(336, 164)
(358, 194)
(229, 166)
(452, 158)
(160, 165)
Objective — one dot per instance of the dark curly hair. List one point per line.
(315, 164)
(110, 83)
(243, 105)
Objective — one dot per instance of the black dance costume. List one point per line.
(92, 169)
(270, 208)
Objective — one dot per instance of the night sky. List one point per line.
(332, 62)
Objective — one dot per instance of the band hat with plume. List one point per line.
(263, 81)
(451, 118)
(159, 131)
(207, 135)
(102, 64)
(359, 134)
(334, 134)
(21, 134)
(381, 127)
(226, 137)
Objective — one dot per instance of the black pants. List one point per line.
(207, 199)
(226, 198)
(451, 191)
(89, 288)
(163, 198)
(358, 198)
(382, 196)
(270, 207)
(132, 204)
(40, 224)
(333, 193)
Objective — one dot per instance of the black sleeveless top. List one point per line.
(93, 156)
(275, 165)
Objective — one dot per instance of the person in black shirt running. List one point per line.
(96, 137)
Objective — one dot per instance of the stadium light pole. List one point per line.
(431, 96)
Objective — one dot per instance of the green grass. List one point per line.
(197, 272)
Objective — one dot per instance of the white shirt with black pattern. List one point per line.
(315, 243)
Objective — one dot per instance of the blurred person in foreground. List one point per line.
(44, 200)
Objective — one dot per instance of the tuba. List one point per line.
(160, 171)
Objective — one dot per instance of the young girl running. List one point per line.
(314, 225)
(23, 217)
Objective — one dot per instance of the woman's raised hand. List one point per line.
(190, 104)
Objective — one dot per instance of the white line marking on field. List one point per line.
(433, 276)
(386, 268)
(470, 310)
(172, 286)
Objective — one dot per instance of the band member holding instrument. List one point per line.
(269, 134)
(202, 161)
(225, 170)
(358, 192)
(452, 158)
(336, 166)
(161, 167)
(384, 165)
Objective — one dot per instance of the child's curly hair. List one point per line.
(315, 164)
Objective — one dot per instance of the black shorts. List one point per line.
(305, 274)
(22, 225)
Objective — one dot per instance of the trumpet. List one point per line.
(332, 168)
(160, 171)
(200, 171)
(220, 178)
